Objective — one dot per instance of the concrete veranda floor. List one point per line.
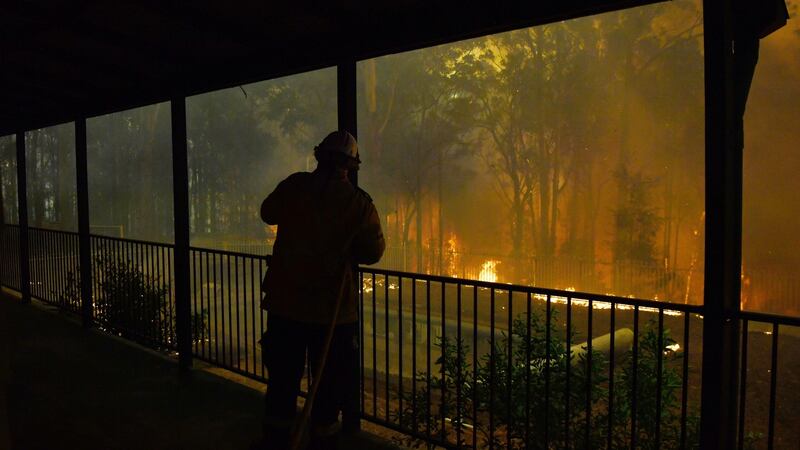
(63, 387)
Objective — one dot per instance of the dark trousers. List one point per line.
(284, 347)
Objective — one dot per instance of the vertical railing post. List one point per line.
(180, 189)
(22, 211)
(84, 241)
(348, 118)
(4, 262)
(723, 233)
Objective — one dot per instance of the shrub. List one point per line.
(133, 304)
(538, 370)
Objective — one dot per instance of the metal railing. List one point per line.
(450, 362)
(226, 311)
(761, 367)
(55, 267)
(132, 290)
(9, 257)
(471, 364)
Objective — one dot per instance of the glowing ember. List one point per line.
(489, 271)
(674, 347)
(366, 286)
(598, 304)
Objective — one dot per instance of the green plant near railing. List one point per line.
(70, 294)
(133, 304)
(538, 371)
(646, 394)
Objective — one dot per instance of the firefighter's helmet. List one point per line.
(338, 142)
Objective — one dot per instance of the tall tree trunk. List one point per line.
(554, 191)
(544, 212)
(418, 209)
(65, 207)
(418, 189)
(441, 213)
(373, 139)
(517, 223)
(32, 155)
(591, 210)
(575, 219)
(532, 200)
(668, 213)
(408, 216)
(149, 216)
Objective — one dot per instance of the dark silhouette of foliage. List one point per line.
(538, 372)
(132, 304)
(646, 393)
(635, 220)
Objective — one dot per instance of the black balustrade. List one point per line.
(9, 257)
(227, 320)
(524, 367)
(451, 362)
(55, 268)
(764, 338)
(133, 290)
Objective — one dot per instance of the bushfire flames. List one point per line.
(452, 251)
(489, 271)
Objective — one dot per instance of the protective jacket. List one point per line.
(325, 226)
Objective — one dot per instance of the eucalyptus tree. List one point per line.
(130, 173)
(226, 146)
(520, 92)
(244, 140)
(412, 145)
(8, 179)
(50, 162)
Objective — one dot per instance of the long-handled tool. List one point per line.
(300, 424)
